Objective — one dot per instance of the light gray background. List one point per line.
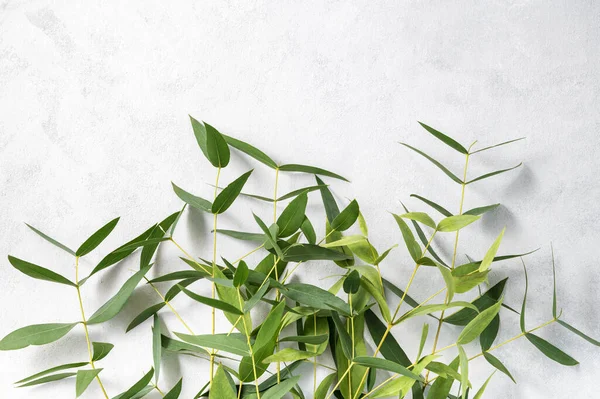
(93, 124)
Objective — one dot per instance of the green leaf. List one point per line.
(173, 345)
(142, 393)
(309, 231)
(221, 387)
(306, 252)
(424, 334)
(400, 293)
(180, 275)
(551, 351)
(145, 315)
(230, 193)
(192, 200)
(492, 174)
(50, 378)
(442, 386)
(315, 297)
(38, 272)
(250, 150)
(455, 223)
(445, 139)
(200, 134)
(498, 365)
(481, 210)
(376, 293)
(488, 336)
(576, 331)
(84, 379)
(288, 355)
(522, 319)
(409, 239)
(384, 255)
(37, 334)
(101, 350)
(424, 240)
(142, 244)
(435, 206)
(345, 340)
(279, 390)
(159, 231)
(479, 393)
(443, 370)
(214, 303)
(346, 218)
(331, 208)
(352, 282)
(250, 303)
(436, 163)
(324, 386)
(491, 253)
(51, 240)
(117, 255)
(310, 169)
(478, 324)
(114, 305)
(384, 364)
(299, 191)
(489, 298)
(137, 387)
(95, 239)
(156, 347)
(292, 216)
(401, 386)
(270, 239)
(426, 309)
(362, 223)
(216, 147)
(449, 280)
(307, 339)
(52, 370)
(227, 343)
(347, 240)
(240, 235)
(390, 349)
(420, 217)
(175, 391)
(464, 370)
(497, 145)
(241, 274)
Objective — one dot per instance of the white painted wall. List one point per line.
(93, 124)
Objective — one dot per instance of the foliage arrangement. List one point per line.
(305, 326)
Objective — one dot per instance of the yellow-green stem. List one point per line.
(213, 288)
(247, 332)
(177, 315)
(84, 322)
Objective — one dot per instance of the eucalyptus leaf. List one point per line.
(487, 175)
(214, 303)
(101, 350)
(51, 240)
(478, 324)
(436, 163)
(192, 200)
(95, 239)
(497, 364)
(445, 139)
(84, 379)
(551, 351)
(37, 334)
(175, 391)
(137, 387)
(432, 204)
(52, 370)
(310, 169)
(217, 150)
(455, 223)
(250, 150)
(229, 194)
(346, 218)
(491, 253)
(481, 210)
(227, 343)
(292, 217)
(38, 272)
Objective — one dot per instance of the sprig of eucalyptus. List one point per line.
(247, 360)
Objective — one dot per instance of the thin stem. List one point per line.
(190, 257)
(177, 315)
(247, 333)
(315, 358)
(454, 252)
(213, 288)
(158, 389)
(84, 322)
(248, 254)
(339, 381)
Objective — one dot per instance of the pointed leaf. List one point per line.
(347, 240)
(479, 393)
(38, 272)
(436, 163)
(464, 370)
(346, 218)
(489, 298)
(306, 252)
(307, 339)
(50, 378)
(310, 169)
(426, 309)
(192, 200)
(576, 331)
(409, 239)
(488, 336)
(51, 240)
(497, 364)
(551, 351)
(145, 315)
(230, 193)
(216, 147)
(241, 274)
(445, 139)
(156, 347)
(435, 206)
(315, 297)
(388, 365)
(114, 305)
(331, 208)
(478, 324)
(227, 343)
(214, 303)
(200, 134)
(250, 150)
(95, 239)
(491, 253)
(352, 282)
(37, 334)
(497, 145)
(292, 216)
(288, 355)
(420, 217)
(454, 223)
(240, 235)
(84, 379)
(279, 390)
(345, 340)
(481, 210)
(137, 387)
(309, 231)
(492, 174)
(324, 386)
(390, 349)
(101, 350)
(522, 319)
(52, 370)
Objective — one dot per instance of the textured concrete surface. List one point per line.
(94, 99)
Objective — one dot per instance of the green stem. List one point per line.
(247, 333)
(213, 287)
(84, 322)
